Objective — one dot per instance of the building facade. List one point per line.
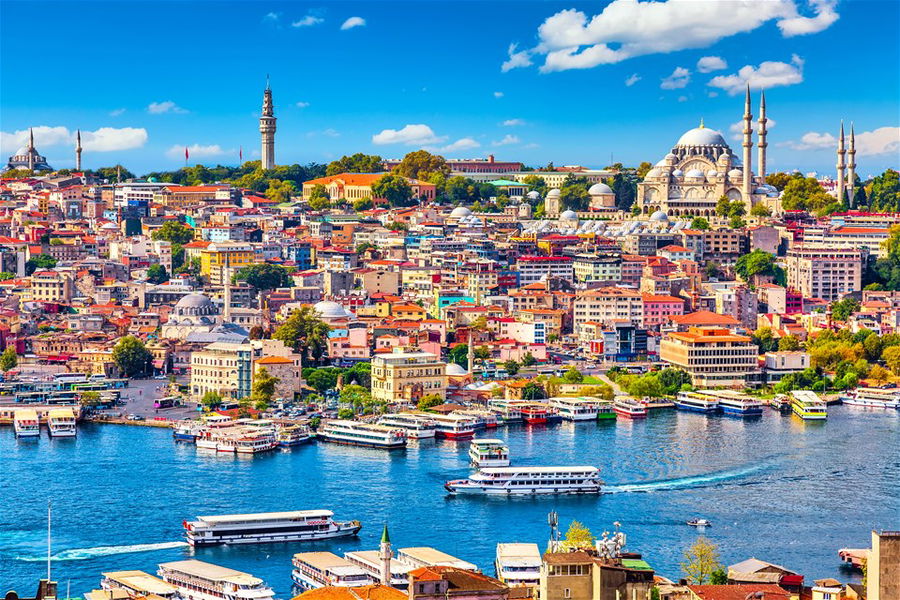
(407, 376)
(712, 356)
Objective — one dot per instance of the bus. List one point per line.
(167, 402)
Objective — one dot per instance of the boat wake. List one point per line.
(88, 553)
(693, 481)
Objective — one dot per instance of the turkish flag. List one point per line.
(187, 154)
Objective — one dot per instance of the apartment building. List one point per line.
(224, 368)
(583, 575)
(405, 376)
(51, 286)
(713, 356)
(588, 267)
(219, 258)
(608, 304)
(659, 308)
(819, 271)
(535, 268)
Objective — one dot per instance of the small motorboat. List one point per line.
(699, 523)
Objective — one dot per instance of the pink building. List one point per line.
(659, 309)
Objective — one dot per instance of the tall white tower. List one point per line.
(761, 134)
(748, 150)
(851, 166)
(841, 175)
(385, 554)
(78, 151)
(267, 129)
(31, 149)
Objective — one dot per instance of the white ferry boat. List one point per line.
(872, 398)
(529, 481)
(293, 435)
(198, 580)
(695, 402)
(518, 565)
(186, 430)
(61, 422)
(138, 584)
(253, 440)
(626, 406)
(416, 426)
(26, 423)
(807, 405)
(509, 412)
(730, 402)
(488, 453)
(370, 562)
(259, 528)
(454, 426)
(357, 433)
(576, 409)
(484, 419)
(314, 570)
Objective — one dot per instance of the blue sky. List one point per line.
(529, 81)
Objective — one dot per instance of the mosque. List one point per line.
(27, 157)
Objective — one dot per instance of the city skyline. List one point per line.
(513, 91)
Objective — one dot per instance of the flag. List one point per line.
(241, 154)
(187, 154)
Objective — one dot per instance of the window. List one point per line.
(567, 593)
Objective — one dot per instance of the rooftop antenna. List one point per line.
(48, 539)
(553, 521)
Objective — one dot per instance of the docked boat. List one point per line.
(484, 419)
(260, 528)
(605, 410)
(527, 481)
(416, 426)
(732, 403)
(138, 584)
(628, 407)
(872, 398)
(576, 409)
(518, 565)
(313, 570)
(454, 426)
(696, 402)
(200, 580)
(293, 435)
(508, 411)
(699, 523)
(61, 422)
(26, 424)
(255, 440)
(356, 433)
(534, 413)
(488, 453)
(185, 431)
(807, 405)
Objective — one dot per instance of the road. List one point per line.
(140, 395)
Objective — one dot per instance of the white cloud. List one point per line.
(302, 104)
(507, 140)
(883, 140)
(272, 18)
(411, 135)
(737, 129)
(516, 59)
(633, 79)
(708, 64)
(465, 143)
(117, 113)
(498, 94)
(679, 78)
(682, 98)
(332, 133)
(513, 122)
(767, 75)
(308, 21)
(353, 22)
(104, 139)
(195, 151)
(625, 29)
(159, 108)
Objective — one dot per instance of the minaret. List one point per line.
(385, 555)
(748, 149)
(841, 176)
(471, 354)
(226, 310)
(761, 134)
(267, 129)
(78, 151)
(851, 166)
(31, 149)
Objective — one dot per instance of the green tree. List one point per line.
(421, 164)
(760, 210)
(322, 380)
(511, 367)
(765, 339)
(305, 333)
(842, 309)
(758, 262)
(780, 180)
(459, 354)
(805, 194)
(365, 247)
(891, 357)
(131, 356)
(175, 232)
(578, 536)
(573, 193)
(535, 184)
(884, 192)
(9, 359)
(533, 391)
(723, 205)
(211, 400)
(280, 191)
(356, 163)
(362, 204)
(643, 169)
(39, 262)
(157, 274)
(700, 561)
(528, 360)
(393, 188)
(573, 375)
(265, 276)
(736, 223)
(89, 398)
(718, 577)
(346, 413)
(788, 343)
(263, 388)
(358, 397)
(700, 223)
(429, 401)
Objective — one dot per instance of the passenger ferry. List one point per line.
(518, 565)
(508, 411)
(26, 423)
(185, 431)
(872, 398)
(293, 435)
(416, 426)
(488, 453)
(356, 433)
(695, 402)
(629, 408)
(61, 422)
(484, 419)
(509, 481)
(314, 570)
(260, 528)
(534, 413)
(370, 562)
(200, 580)
(454, 426)
(576, 409)
(733, 404)
(807, 405)
(138, 584)
(605, 410)
(255, 440)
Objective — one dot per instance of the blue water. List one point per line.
(775, 488)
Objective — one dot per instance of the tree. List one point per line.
(174, 232)
(643, 169)
(429, 401)
(211, 400)
(265, 276)
(358, 397)
(806, 193)
(578, 536)
(528, 360)
(879, 374)
(765, 339)
(39, 262)
(89, 398)
(362, 204)
(346, 413)
(573, 193)
(842, 309)
(459, 354)
(758, 262)
(535, 184)
(736, 223)
(700, 223)
(511, 367)
(393, 188)
(421, 164)
(131, 356)
(780, 180)
(9, 359)
(891, 357)
(322, 379)
(722, 206)
(365, 247)
(304, 332)
(788, 343)
(263, 388)
(573, 375)
(280, 191)
(718, 577)
(700, 560)
(760, 210)
(357, 163)
(884, 192)
(533, 391)
(157, 274)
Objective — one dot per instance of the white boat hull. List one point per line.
(209, 444)
(490, 462)
(871, 403)
(535, 491)
(337, 532)
(61, 433)
(24, 433)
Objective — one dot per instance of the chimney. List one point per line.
(490, 158)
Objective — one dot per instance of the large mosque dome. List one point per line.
(330, 310)
(701, 136)
(599, 188)
(459, 212)
(195, 305)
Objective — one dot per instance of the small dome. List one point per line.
(554, 193)
(662, 163)
(677, 172)
(712, 173)
(599, 188)
(330, 310)
(694, 173)
(701, 136)
(735, 173)
(568, 214)
(454, 370)
(659, 216)
(460, 211)
(670, 156)
(534, 195)
(194, 301)
(654, 173)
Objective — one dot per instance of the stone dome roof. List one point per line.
(599, 188)
(677, 172)
(460, 211)
(694, 173)
(653, 173)
(712, 173)
(455, 370)
(568, 214)
(701, 136)
(554, 193)
(330, 310)
(735, 173)
(659, 216)
(194, 301)
(195, 305)
(533, 194)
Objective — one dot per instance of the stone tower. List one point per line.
(78, 151)
(267, 129)
(31, 151)
(851, 166)
(385, 554)
(761, 134)
(748, 152)
(841, 174)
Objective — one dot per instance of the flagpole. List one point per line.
(48, 541)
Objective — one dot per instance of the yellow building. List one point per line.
(407, 376)
(713, 356)
(217, 257)
(51, 286)
(223, 368)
